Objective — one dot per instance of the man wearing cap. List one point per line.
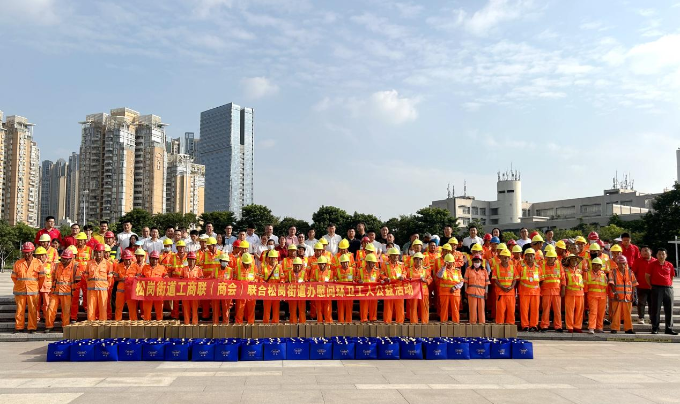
(60, 294)
(343, 249)
(419, 307)
(595, 288)
(49, 229)
(368, 272)
(448, 290)
(573, 293)
(476, 286)
(82, 256)
(622, 284)
(537, 246)
(297, 308)
(529, 291)
(190, 307)
(660, 276)
(581, 249)
(224, 273)
(272, 273)
(156, 271)
(595, 251)
(122, 271)
(391, 271)
(98, 275)
(345, 273)
(552, 281)
(27, 276)
(504, 276)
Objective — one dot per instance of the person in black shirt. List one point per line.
(354, 243)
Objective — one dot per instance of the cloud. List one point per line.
(472, 106)
(656, 56)
(266, 143)
(40, 12)
(380, 25)
(485, 20)
(392, 108)
(258, 87)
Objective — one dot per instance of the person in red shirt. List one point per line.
(630, 250)
(660, 276)
(640, 268)
(71, 239)
(49, 229)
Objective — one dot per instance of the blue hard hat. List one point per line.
(495, 240)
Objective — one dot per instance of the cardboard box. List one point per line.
(510, 331)
(382, 330)
(478, 330)
(497, 331)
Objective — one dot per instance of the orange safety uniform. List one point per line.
(222, 305)
(408, 264)
(52, 257)
(573, 299)
(324, 308)
(529, 294)
(393, 272)
(28, 279)
(209, 263)
(297, 308)
(120, 274)
(368, 309)
(98, 276)
(552, 280)
(190, 307)
(476, 282)
(595, 288)
(245, 307)
(345, 306)
(449, 300)
(81, 259)
(159, 271)
(505, 301)
(179, 262)
(621, 285)
(490, 259)
(60, 295)
(273, 275)
(420, 307)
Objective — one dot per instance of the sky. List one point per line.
(372, 106)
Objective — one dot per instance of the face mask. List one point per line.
(223, 264)
(270, 247)
(593, 255)
(477, 264)
(167, 248)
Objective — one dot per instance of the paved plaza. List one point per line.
(563, 372)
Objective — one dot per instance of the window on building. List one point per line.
(482, 211)
(545, 212)
(475, 210)
(626, 203)
(494, 221)
(494, 211)
(591, 210)
(566, 211)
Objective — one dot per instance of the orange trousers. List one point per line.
(420, 309)
(596, 308)
(271, 310)
(44, 304)
(190, 311)
(81, 287)
(225, 305)
(298, 309)
(621, 311)
(573, 312)
(205, 309)
(528, 310)
(505, 309)
(368, 309)
(97, 304)
(324, 311)
(120, 303)
(55, 302)
(554, 303)
(156, 305)
(32, 303)
(245, 308)
(446, 303)
(345, 311)
(476, 310)
(174, 313)
(393, 307)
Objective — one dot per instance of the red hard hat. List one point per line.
(109, 234)
(28, 247)
(191, 255)
(67, 254)
(621, 259)
(593, 236)
(511, 242)
(154, 254)
(476, 257)
(600, 243)
(237, 244)
(127, 255)
(487, 237)
(533, 233)
(365, 240)
(100, 247)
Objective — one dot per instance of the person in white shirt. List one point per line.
(193, 245)
(384, 248)
(523, 237)
(333, 239)
(251, 237)
(124, 236)
(269, 232)
(153, 243)
(472, 238)
(169, 234)
(260, 247)
(311, 238)
(210, 230)
(146, 234)
(376, 243)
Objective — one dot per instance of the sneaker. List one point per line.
(630, 332)
(613, 331)
(48, 330)
(671, 332)
(606, 322)
(599, 331)
(559, 330)
(525, 329)
(543, 330)
(655, 331)
(577, 330)
(641, 321)
(591, 331)
(533, 329)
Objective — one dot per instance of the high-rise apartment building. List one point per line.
(150, 164)
(45, 169)
(20, 172)
(226, 149)
(3, 135)
(72, 194)
(185, 186)
(53, 178)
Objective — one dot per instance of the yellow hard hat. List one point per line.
(418, 255)
(73, 249)
(529, 251)
(211, 241)
(393, 251)
(453, 240)
(476, 247)
(273, 254)
(318, 246)
(297, 261)
(246, 258)
(225, 256)
(447, 247)
(537, 239)
(322, 260)
(40, 251)
(180, 243)
(45, 237)
(371, 258)
(369, 247)
(139, 251)
(292, 247)
(449, 258)
(81, 236)
(323, 241)
(516, 249)
(168, 241)
(417, 242)
(344, 258)
(561, 244)
(550, 247)
(244, 244)
(343, 244)
(594, 247)
(550, 254)
(505, 253)
(615, 248)
(596, 261)
(501, 246)
(580, 239)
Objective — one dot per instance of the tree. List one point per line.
(327, 215)
(663, 222)
(372, 223)
(8, 244)
(402, 228)
(139, 218)
(300, 225)
(507, 235)
(433, 220)
(219, 219)
(256, 215)
(165, 220)
(24, 233)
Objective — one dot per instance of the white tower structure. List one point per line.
(509, 188)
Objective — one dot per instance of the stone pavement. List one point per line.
(563, 372)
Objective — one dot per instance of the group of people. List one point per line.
(482, 274)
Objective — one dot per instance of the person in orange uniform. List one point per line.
(552, 280)
(180, 262)
(561, 250)
(393, 270)
(345, 273)
(272, 273)
(581, 249)
(595, 288)
(224, 273)
(529, 291)
(368, 248)
(476, 287)
(27, 276)
(124, 270)
(82, 256)
(537, 245)
(420, 307)
(191, 271)
(489, 259)
(98, 275)
(369, 272)
(43, 294)
(622, 283)
(320, 271)
(504, 276)
(245, 270)
(209, 261)
(287, 263)
(416, 247)
(343, 249)
(62, 288)
(516, 258)
(573, 293)
(153, 270)
(50, 260)
(297, 308)
(450, 284)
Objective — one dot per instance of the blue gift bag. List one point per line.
(411, 349)
(177, 351)
(59, 351)
(153, 350)
(388, 350)
(106, 351)
(82, 351)
(343, 350)
(520, 349)
(252, 351)
(480, 350)
(203, 351)
(501, 349)
(320, 350)
(227, 350)
(458, 349)
(130, 350)
(436, 349)
(297, 349)
(274, 350)
(366, 349)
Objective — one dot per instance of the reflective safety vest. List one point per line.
(596, 284)
(529, 280)
(98, 274)
(121, 273)
(27, 277)
(393, 271)
(180, 263)
(506, 280)
(622, 290)
(246, 274)
(295, 278)
(574, 282)
(345, 275)
(62, 280)
(82, 257)
(270, 277)
(159, 271)
(450, 278)
(477, 279)
(210, 263)
(368, 275)
(551, 276)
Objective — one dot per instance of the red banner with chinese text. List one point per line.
(213, 289)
